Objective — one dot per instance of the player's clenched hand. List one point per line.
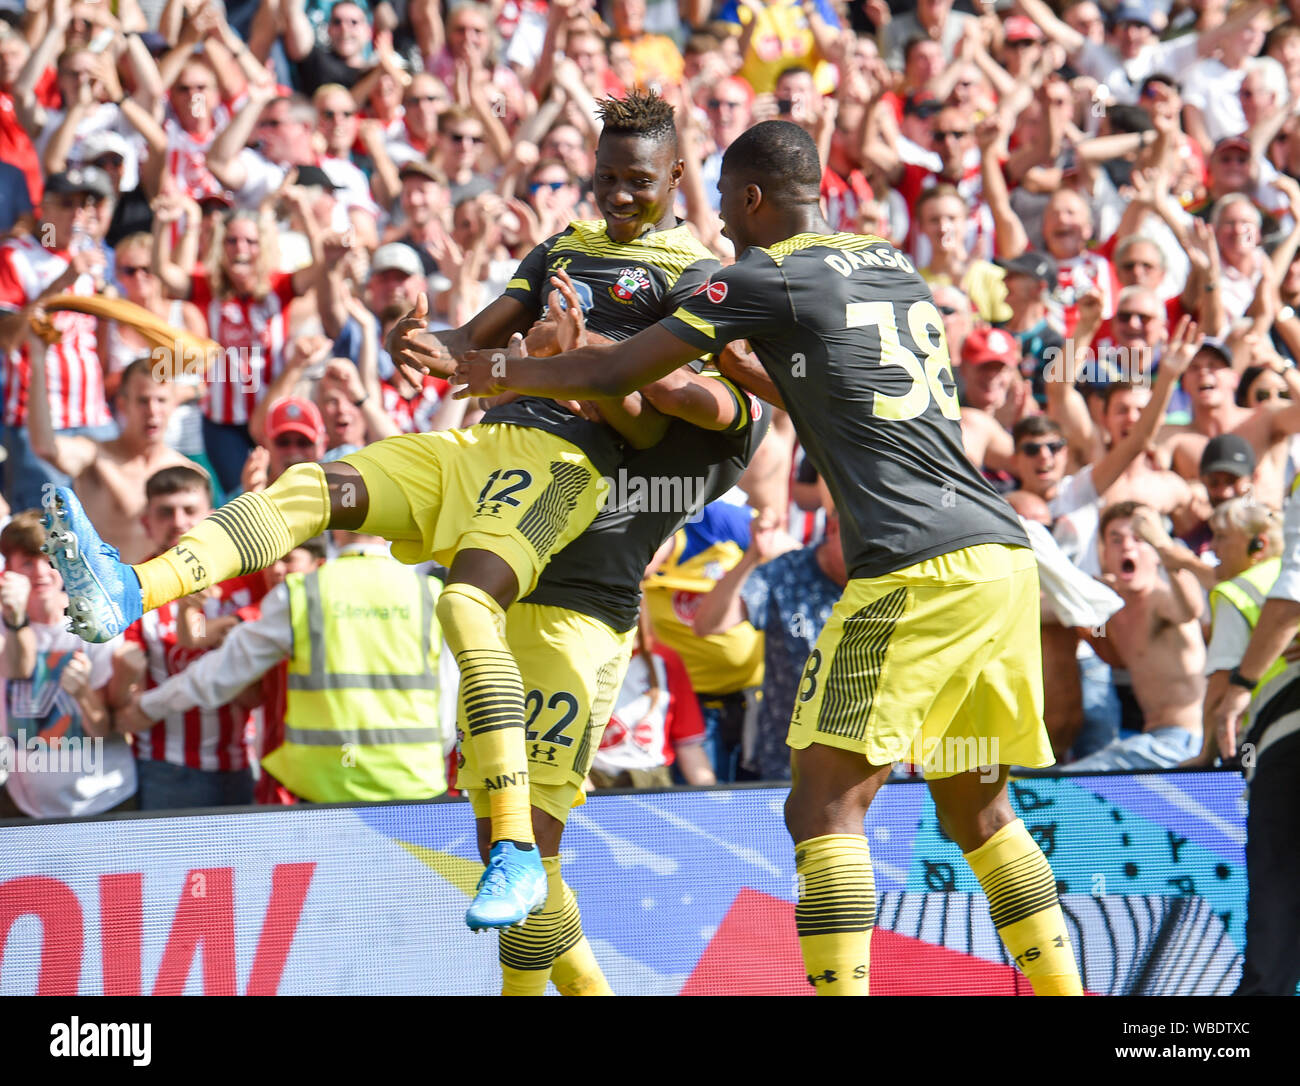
(483, 373)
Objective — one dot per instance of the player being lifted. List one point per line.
(493, 503)
(572, 637)
(936, 636)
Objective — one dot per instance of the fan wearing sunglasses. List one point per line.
(461, 143)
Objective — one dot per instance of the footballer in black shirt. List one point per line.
(932, 654)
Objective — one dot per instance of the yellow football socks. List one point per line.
(836, 912)
(526, 951)
(1026, 910)
(492, 701)
(549, 945)
(575, 972)
(242, 537)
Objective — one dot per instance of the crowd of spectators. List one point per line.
(1103, 199)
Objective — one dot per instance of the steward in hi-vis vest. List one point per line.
(362, 716)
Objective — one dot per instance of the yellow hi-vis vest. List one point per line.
(361, 721)
(1247, 592)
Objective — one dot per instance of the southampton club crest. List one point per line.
(629, 281)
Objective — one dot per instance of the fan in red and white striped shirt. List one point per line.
(212, 740)
(29, 270)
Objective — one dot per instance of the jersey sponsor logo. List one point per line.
(629, 281)
(828, 977)
(716, 292)
(755, 407)
(537, 754)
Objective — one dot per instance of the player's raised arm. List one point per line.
(599, 372)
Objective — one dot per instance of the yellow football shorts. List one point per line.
(573, 667)
(517, 491)
(938, 664)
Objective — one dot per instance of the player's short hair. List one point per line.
(1035, 426)
(642, 114)
(67, 55)
(24, 534)
(177, 479)
(1279, 34)
(140, 239)
(300, 108)
(780, 157)
(1128, 119)
(1116, 511)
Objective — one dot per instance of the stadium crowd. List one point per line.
(1104, 201)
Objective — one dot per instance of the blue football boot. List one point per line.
(512, 887)
(103, 592)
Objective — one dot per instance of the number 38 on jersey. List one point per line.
(931, 374)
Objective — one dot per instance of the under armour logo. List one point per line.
(488, 509)
(538, 753)
(828, 977)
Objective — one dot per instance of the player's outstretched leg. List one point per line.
(824, 812)
(1015, 875)
(105, 595)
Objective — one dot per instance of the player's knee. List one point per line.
(797, 814)
(462, 611)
